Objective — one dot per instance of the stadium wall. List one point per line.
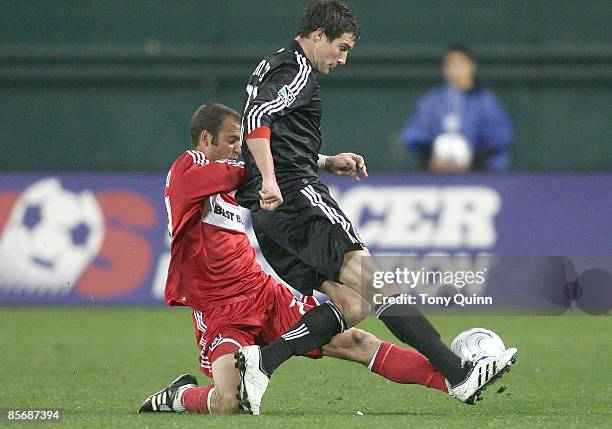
(111, 85)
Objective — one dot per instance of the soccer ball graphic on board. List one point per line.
(51, 236)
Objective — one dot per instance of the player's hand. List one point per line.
(442, 166)
(270, 195)
(347, 164)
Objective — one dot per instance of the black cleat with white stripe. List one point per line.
(163, 401)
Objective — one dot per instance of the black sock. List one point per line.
(315, 329)
(410, 326)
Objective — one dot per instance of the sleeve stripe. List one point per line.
(299, 82)
(192, 155)
(302, 60)
(254, 116)
(296, 86)
(198, 157)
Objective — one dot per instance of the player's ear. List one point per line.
(318, 34)
(205, 138)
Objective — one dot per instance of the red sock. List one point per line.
(195, 399)
(406, 367)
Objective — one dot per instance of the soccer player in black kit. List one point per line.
(301, 230)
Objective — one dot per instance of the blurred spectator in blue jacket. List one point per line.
(460, 125)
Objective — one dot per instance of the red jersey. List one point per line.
(212, 262)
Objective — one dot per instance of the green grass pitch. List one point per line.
(99, 364)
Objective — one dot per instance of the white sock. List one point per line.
(177, 405)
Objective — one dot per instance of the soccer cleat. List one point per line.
(164, 400)
(253, 381)
(483, 373)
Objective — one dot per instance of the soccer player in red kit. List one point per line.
(235, 303)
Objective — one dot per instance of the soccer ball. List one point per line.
(452, 148)
(53, 233)
(476, 343)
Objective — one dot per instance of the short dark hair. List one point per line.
(210, 117)
(333, 16)
(461, 48)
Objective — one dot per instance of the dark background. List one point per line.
(111, 84)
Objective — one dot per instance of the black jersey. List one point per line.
(283, 94)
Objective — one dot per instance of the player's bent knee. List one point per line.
(351, 310)
(355, 344)
(226, 377)
(354, 309)
(358, 340)
(351, 305)
(361, 338)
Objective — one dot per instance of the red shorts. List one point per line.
(259, 320)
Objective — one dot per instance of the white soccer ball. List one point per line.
(476, 343)
(453, 148)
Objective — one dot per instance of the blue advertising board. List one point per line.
(101, 238)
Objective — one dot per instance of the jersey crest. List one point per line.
(286, 96)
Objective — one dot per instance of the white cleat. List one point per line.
(253, 381)
(484, 372)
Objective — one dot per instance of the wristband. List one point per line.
(321, 162)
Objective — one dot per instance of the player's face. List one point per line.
(331, 54)
(228, 143)
(459, 70)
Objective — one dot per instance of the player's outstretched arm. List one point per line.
(344, 164)
(270, 193)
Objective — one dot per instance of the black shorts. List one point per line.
(305, 239)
